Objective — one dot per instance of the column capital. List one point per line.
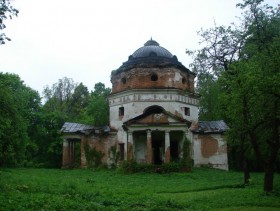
(167, 131)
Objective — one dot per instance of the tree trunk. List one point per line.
(246, 171)
(244, 162)
(268, 178)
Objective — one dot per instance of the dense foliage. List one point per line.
(29, 131)
(239, 67)
(19, 105)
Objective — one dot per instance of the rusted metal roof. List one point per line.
(70, 127)
(210, 127)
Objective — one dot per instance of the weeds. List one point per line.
(201, 189)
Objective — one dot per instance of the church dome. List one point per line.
(152, 67)
(151, 48)
(150, 55)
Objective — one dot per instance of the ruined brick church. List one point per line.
(153, 109)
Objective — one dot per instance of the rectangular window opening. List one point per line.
(121, 152)
(121, 111)
(187, 111)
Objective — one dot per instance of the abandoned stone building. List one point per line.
(153, 108)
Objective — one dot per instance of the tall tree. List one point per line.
(59, 95)
(78, 102)
(97, 111)
(208, 88)
(260, 84)
(6, 11)
(247, 67)
(18, 105)
(60, 106)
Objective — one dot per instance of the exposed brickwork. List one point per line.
(83, 156)
(68, 157)
(167, 155)
(129, 151)
(209, 145)
(100, 143)
(140, 78)
(149, 149)
(155, 118)
(65, 155)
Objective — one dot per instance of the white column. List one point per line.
(149, 155)
(130, 147)
(167, 146)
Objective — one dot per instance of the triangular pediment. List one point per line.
(159, 118)
(156, 118)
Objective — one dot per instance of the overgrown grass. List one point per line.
(81, 189)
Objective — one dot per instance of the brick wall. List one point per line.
(141, 78)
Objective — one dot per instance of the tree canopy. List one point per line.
(29, 130)
(19, 104)
(6, 11)
(243, 64)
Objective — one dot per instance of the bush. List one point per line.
(93, 157)
(186, 159)
(130, 167)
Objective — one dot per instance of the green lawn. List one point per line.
(81, 189)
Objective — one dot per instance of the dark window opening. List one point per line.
(154, 110)
(187, 111)
(174, 151)
(157, 147)
(184, 80)
(154, 77)
(157, 153)
(121, 111)
(123, 80)
(121, 152)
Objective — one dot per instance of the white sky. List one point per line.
(85, 40)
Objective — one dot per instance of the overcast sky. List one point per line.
(85, 40)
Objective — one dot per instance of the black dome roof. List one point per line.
(151, 47)
(151, 55)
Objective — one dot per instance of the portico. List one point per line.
(155, 137)
(155, 146)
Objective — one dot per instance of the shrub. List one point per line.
(114, 156)
(186, 159)
(93, 157)
(130, 167)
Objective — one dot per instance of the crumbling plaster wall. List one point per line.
(102, 143)
(210, 149)
(140, 147)
(135, 102)
(133, 109)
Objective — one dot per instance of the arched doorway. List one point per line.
(157, 147)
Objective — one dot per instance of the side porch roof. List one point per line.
(203, 127)
(77, 128)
